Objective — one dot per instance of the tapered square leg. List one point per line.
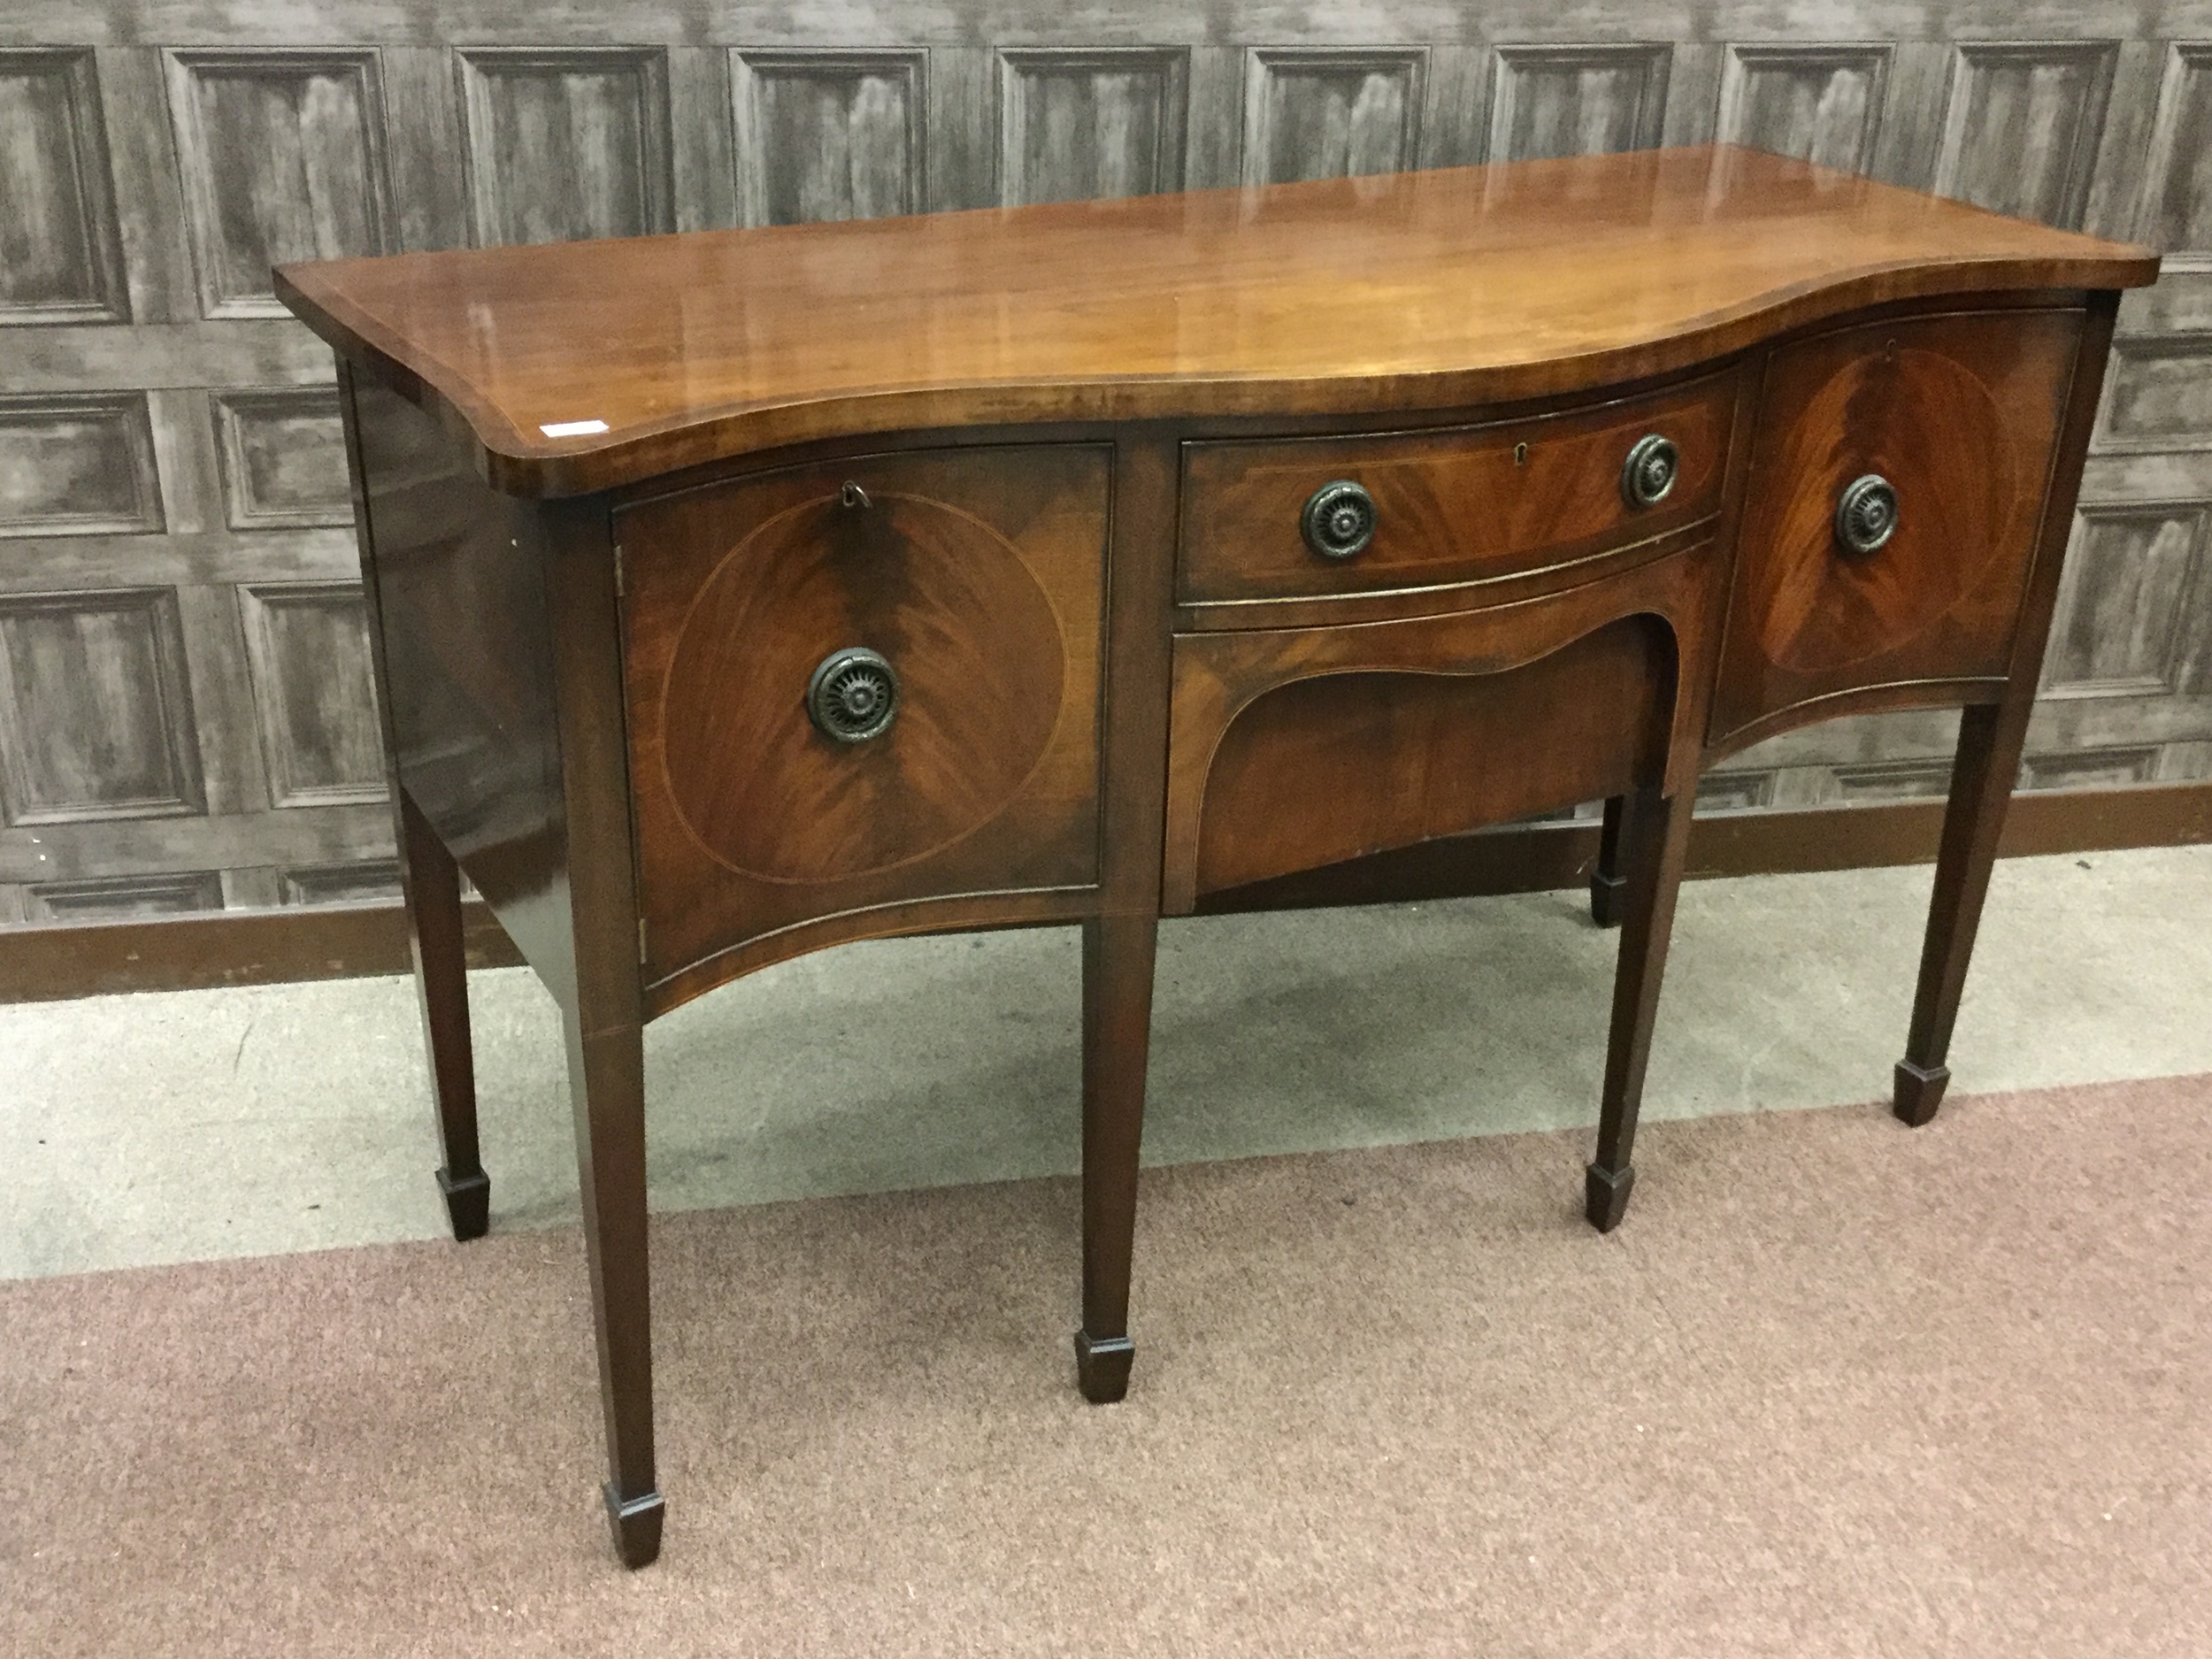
(431, 883)
(1118, 957)
(1990, 741)
(1609, 889)
(607, 1090)
(636, 1525)
(1656, 841)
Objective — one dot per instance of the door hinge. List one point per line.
(621, 575)
(641, 957)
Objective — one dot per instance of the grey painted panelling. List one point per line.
(567, 144)
(339, 883)
(164, 430)
(1578, 100)
(96, 710)
(2126, 603)
(828, 135)
(2158, 395)
(1821, 103)
(283, 458)
(314, 693)
(104, 898)
(282, 155)
(80, 465)
(2177, 202)
(2093, 769)
(2022, 133)
(60, 258)
(1079, 125)
(1330, 113)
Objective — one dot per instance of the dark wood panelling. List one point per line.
(1329, 113)
(283, 458)
(312, 691)
(1076, 125)
(60, 255)
(78, 465)
(96, 710)
(1822, 103)
(1578, 100)
(2125, 601)
(827, 135)
(566, 144)
(283, 158)
(2022, 133)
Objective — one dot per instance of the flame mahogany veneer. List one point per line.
(1189, 541)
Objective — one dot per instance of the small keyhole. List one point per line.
(1520, 455)
(853, 496)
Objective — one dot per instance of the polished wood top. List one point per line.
(1394, 292)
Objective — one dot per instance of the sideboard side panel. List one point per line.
(457, 591)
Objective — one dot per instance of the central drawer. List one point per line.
(1311, 517)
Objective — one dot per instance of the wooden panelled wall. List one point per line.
(185, 707)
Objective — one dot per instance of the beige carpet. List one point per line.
(1836, 1388)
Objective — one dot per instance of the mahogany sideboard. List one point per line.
(738, 594)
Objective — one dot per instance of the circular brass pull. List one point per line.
(1647, 477)
(1866, 515)
(852, 696)
(1339, 520)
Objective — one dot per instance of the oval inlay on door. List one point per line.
(946, 601)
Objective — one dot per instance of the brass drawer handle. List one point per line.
(853, 694)
(1339, 520)
(1866, 515)
(1647, 477)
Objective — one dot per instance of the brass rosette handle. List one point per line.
(1647, 476)
(1339, 520)
(853, 694)
(1866, 515)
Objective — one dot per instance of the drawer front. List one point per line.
(1453, 505)
(1941, 431)
(1292, 748)
(859, 684)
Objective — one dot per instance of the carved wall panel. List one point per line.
(77, 465)
(314, 693)
(281, 156)
(1077, 125)
(827, 135)
(96, 712)
(567, 144)
(2021, 136)
(60, 261)
(1822, 103)
(176, 557)
(1577, 100)
(283, 457)
(1327, 114)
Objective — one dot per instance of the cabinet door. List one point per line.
(791, 791)
(1954, 421)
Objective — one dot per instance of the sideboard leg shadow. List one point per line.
(1118, 955)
